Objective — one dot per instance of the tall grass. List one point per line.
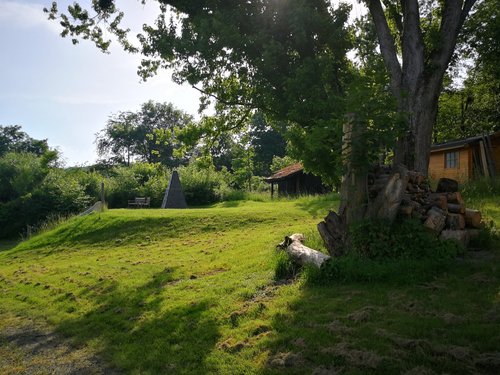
(481, 189)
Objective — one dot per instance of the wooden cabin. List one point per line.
(466, 159)
(292, 180)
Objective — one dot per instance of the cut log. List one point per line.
(456, 208)
(447, 185)
(436, 220)
(301, 254)
(473, 233)
(461, 236)
(329, 241)
(333, 231)
(455, 221)
(455, 197)
(386, 205)
(439, 200)
(405, 210)
(473, 218)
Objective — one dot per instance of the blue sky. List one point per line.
(65, 93)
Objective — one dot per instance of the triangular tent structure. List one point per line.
(174, 196)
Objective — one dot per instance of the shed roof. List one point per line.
(459, 143)
(286, 172)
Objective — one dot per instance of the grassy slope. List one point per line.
(167, 291)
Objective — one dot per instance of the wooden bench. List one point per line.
(139, 202)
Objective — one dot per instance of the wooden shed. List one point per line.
(292, 180)
(465, 159)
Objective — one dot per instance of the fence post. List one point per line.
(102, 196)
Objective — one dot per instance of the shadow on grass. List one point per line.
(441, 324)
(229, 204)
(319, 206)
(138, 332)
(8, 244)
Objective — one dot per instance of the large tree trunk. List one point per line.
(353, 189)
(413, 148)
(416, 81)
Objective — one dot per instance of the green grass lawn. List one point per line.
(193, 291)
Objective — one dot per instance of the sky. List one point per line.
(66, 93)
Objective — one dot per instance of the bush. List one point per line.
(402, 252)
(354, 269)
(203, 184)
(405, 239)
(137, 180)
(59, 194)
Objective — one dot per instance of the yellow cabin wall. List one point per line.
(495, 143)
(461, 174)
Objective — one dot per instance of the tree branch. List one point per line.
(387, 45)
(226, 102)
(412, 45)
(453, 17)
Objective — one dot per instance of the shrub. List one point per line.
(59, 194)
(404, 239)
(203, 184)
(402, 252)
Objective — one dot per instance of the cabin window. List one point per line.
(451, 159)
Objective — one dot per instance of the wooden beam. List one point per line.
(484, 162)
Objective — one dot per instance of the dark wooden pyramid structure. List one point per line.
(174, 195)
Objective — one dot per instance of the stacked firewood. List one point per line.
(442, 212)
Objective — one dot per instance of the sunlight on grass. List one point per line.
(194, 291)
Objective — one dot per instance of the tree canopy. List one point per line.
(13, 139)
(289, 59)
(145, 135)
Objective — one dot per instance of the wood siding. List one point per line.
(495, 144)
(437, 165)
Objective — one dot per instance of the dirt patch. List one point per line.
(337, 327)
(33, 349)
(452, 319)
(355, 357)
(488, 362)
(286, 360)
(493, 315)
(362, 315)
(482, 278)
(419, 370)
(327, 371)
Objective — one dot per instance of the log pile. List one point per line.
(442, 212)
(395, 194)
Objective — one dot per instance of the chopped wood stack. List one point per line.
(442, 212)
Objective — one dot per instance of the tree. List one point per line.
(12, 139)
(146, 135)
(288, 59)
(472, 106)
(423, 37)
(266, 142)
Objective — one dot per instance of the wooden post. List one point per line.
(102, 196)
(272, 190)
(353, 186)
(484, 161)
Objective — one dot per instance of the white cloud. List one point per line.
(25, 15)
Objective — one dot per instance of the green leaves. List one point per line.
(148, 134)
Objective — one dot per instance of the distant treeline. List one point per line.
(36, 188)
